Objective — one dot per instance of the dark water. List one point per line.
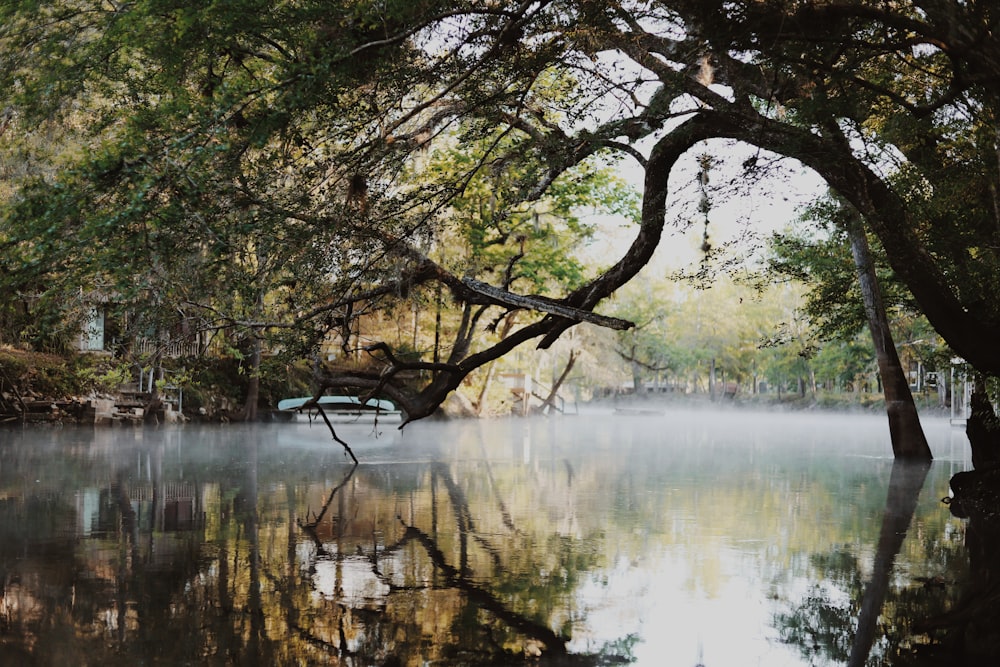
(735, 539)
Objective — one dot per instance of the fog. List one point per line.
(685, 536)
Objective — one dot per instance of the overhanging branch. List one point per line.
(544, 305)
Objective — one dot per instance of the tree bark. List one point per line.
(908, 440)
(983, 429)
(969, 332)
(249, 412)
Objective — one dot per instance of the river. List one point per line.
(683, 538)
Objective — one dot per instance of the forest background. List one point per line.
(400, 198)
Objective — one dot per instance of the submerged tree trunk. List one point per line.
(908, 440)
(983, 429)
(154, 406)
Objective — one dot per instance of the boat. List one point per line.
(341, 409)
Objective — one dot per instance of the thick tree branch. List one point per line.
(664, 155)
(543, 305)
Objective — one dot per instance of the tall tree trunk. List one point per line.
(503, 329)
(253, 385)
(908, 440)
(256, 352)
(437, 326)
(485, 389)
(155, 403)
(711, 379)
(638, 386)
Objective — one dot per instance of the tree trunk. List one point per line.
(503, 330)
(253, 385)
(155, 404)
(550, 399)
(637, 384)
(437, 327)
(908, 440)
(711, 379)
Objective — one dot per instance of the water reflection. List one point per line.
(905, 483)
(765, 540)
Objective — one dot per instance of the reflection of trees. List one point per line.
(485, 625)
(857, 622)
(402, 565)
(970, 629)
(904, 488)
(115, 586)
(483, 599)
(462, 562)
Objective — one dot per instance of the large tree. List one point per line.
(835, 259)
(302, 116)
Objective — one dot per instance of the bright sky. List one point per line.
(741, 210)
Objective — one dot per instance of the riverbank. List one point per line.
(37, 387)
(821, 401)
(42, 388)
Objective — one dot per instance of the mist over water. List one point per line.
(712, 537)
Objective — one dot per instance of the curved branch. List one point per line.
(965, 330)
(664, 155)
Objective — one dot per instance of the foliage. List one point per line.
(261, 170)
(817, 253)
(53, 376)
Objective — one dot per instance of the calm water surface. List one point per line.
(689, 538)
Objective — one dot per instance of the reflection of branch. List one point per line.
(463, 515)
(504, 512)
(309, 637)
(310, 526)
(485, 599)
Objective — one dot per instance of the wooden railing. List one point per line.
(169, 348)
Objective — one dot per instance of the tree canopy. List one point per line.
(282, 148)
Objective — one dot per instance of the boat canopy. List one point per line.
(340, 403)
